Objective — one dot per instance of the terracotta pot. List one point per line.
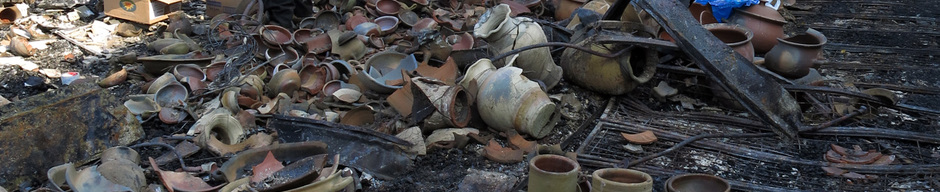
(408, 18)
(388, 7)
(355, 20)
(451, 103)
(386, 67)
(697, 182)
(553, 173)
(301, 36)
(504, 33)
(276, 35)
(795, 55)
(702, 13)
(189, 70)
(223, 127)
(212, 70)
(566, 7)
(172, 94)
(735, 36)
(313, 78)
(507, 100)
(614, 76)
(618, 179)
(765, 22)
(9, 14)
(462, 41)
(387, 24)
(283, 81)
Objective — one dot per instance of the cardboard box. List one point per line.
(215, 7)
(141, 11)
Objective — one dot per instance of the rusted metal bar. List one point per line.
(760, 95)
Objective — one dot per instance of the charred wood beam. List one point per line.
(761, 95)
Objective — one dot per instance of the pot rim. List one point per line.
(778, 21)
(597, 175)
(732, 27)
(669, 182)
(480, 31)
(576, 167)
(810, 32)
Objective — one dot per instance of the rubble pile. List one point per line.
(354, 95)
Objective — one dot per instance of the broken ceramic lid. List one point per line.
(642, 138)
(495, 152)
(386, 67)
(141, 105)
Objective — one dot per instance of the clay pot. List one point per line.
(327, 20)
(171, 94)
(408, 18)
(212, 70)
(313, 78)
(452, 104)
(387, 7)
(301, 36)
(284, 81)
(387, 24)
(462, 41)
(223, 127)
(275, 35)
(189, 70)
(697, 182)
(735, 36)
(504, 33)
(702, 13)
(355, 20)
(9, 14)
(765, 22)
(566, 7)
(794, 55)
(614, 76)
(553, 173)
(475, 75)
(161, 81)
(618, 179)
(386, 67)
(509, 101)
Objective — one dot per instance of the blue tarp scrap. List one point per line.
(721, 9)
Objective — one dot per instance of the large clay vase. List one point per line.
(765, 22)
(553, 173)
(507, 100)
(504, 33)
(794, 55)
(735, 36)
(614, 76)
(618, 179)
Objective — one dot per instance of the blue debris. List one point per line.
(721, 9)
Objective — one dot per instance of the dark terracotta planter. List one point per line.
(794, 55)
(764, 22)
(735, 36)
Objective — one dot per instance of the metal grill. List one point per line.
(734, 158)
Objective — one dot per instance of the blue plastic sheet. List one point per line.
(721, 9)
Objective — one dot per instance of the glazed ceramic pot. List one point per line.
(387, 24)
(697, 182)
(189, 70)
(566, 7)
(765, 22)
(618, 179)
(276, 36)
(284, 81)
(504, 33)
(553, 173)
(386, 67)
(509, 101)
(735, 36)
(614, 76)
(388, 7)
(794, 55)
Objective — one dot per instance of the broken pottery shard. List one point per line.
(19, 61)
(403, 99)
(832, 171)
(642, 138)
(854, 175)
(478, 180)
(4, 101)
(359, 116)
(761, 95)
(864, 159)
(113, 79)
(447, 138)
(414, 136)
(664, 90)
(71, 124)
(89, 179)
(884, 160)
(633, 148)
(372, 152)
(296, 174)
(184, 148)
(181, 181)
(266, 168)
(237, 166)
(834, 157)
(495, 152)
(451, 104)
(525, 145)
